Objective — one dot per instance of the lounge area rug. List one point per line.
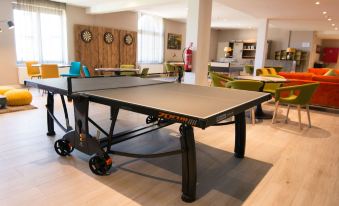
(9, 109)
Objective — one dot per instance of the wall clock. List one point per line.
(86, 36)
(128, 39)
(108, 38)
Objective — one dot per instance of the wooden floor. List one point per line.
(283, 165)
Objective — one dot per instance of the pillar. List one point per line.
(198, 30)
(261, 50)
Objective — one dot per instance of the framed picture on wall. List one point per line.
(174, 41)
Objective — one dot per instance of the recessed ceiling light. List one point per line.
(336, 28)
(333, 24)
(329, 19)
(317, 3)
(324, 12)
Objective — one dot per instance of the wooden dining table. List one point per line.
(259, 113)
(116, 71)
(59, 65)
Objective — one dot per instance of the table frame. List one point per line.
(81, 139)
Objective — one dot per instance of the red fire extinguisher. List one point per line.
(188, 58)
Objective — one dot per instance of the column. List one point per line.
(198, 30)
(261, 50)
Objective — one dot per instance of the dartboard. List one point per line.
(108, 37)
(128, 39)
(86, 36)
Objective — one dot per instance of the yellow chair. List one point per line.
(33, 72)
(272, 71)
(262, 71)
(127, 66)
(18, 97)
(49, 71)
(4, 89)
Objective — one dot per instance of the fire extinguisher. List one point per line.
(187, 58)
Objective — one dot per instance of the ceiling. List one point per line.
(302, 15)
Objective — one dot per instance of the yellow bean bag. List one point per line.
(4, 89)
(18, 97)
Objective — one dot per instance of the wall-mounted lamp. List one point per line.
(227, 51)
(10, 24)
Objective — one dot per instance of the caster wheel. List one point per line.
(151, 119)
(181, 130)
(63, 147)
(100, 165)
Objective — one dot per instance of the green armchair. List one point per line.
(299, 95)
(219, 79)
(249, 85)
(272, 87)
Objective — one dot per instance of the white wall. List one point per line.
(213, 45)
(175, 28)
(279, 40)
(8, 69)
(237, 34)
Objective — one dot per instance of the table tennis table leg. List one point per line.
(189, 165)
(114, 116)
(50, 108)
(240, 135)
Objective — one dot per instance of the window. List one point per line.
(40, 31)
(150, 39)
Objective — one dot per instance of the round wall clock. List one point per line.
(128, 39)
(86, 36)
(108, 37)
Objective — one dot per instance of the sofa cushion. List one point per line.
(294, 75)
(322, 78)
(317, 71)
(330, 73)
(321, 71)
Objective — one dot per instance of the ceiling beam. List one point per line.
(126, 5)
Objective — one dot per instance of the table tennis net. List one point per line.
(102, 83)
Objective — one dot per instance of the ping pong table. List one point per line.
(165, 103)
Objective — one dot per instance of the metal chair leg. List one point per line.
(253, 116)
(288, 111)
(275, 112)
(299, 116)
(308, 116)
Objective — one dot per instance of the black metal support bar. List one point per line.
(224, 123)
(240, 135)
(68, 127)
(50, 114)
(163, 154)
(57, 121)
(189, 164)
(97, 126)
(137, 132)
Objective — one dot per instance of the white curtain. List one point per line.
(150, 39)
(40, 31)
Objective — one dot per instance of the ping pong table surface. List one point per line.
(165, 103)
(205, 105)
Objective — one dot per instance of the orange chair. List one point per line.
(33, 72)
(49, 71)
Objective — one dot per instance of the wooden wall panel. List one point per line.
(98, 53)
(108, 53)
(87, 53)
(128, 53)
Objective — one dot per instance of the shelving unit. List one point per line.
(300, 57)
(248, 51)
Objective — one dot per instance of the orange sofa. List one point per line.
(327, 94)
